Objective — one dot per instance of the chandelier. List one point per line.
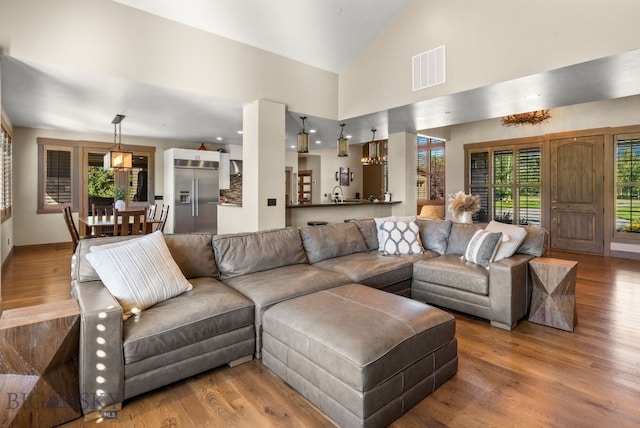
(529, 118)
(374, 152)
(117, 159)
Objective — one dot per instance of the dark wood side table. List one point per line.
(554, 293)
(39, 365)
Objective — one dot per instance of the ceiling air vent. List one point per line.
(428, 68)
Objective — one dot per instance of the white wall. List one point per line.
(106, 37)
(486, 42)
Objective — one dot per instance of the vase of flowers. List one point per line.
(119, 195)
(462, 206)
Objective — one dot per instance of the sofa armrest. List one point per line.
(509, 290)
(101, 360)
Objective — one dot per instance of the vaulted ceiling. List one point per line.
(52, 97)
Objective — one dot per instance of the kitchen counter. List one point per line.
(300, 215)
(347, 202)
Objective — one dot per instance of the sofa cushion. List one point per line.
(434, 234)
(512, 237)
(269, 287)
(367, 228)
(451, 271)
(372, 268)
(139, 273)
(483, 247)
(460, 236)
(244, 253)
(210, 309)
(193, 253)
(332, 240)
(536, 243)
(401, 237)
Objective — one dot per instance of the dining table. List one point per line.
(98, 223)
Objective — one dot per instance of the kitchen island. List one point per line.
(300, 215)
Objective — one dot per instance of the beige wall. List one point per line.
(610, 113)
(486, 42)
(109, 38)
(31, 228)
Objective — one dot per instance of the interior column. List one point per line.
(402, 175)
(263, 154)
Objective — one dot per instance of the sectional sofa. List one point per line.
(234, 279)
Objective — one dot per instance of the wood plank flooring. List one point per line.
(533, 376)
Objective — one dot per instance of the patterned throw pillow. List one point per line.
(380, 220)
(139, 273)
(482, 247)
(401, 237)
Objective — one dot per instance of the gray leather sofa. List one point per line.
(237, 277)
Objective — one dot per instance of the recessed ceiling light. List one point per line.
(312, 131)
(531, 96)
(219, 138)
(240, 132)
(318, 141)
(349, 136)
(292, 147)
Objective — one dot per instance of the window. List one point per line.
(430, 170)
(71, 172)
(507, 179)
(57, 185)
(628, 186)
(6, 162)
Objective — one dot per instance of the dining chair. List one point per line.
(163, 218)
(151, 212)
(132, 222)
(106, 211)
(73, 230)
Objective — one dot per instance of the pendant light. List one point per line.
(371, 151)
(343, 143)
(303, 138)
(117, 159)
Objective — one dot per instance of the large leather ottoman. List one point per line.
(361, 355)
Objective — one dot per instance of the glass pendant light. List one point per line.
(343, 143)
(303, 138)
(374, 152)
(117, 159)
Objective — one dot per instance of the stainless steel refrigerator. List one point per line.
(196, 196)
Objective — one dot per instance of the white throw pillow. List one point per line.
(512, 237)
(482, 248)
(380, 220)
(139, 272)
(401, 237)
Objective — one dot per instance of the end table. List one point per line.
(554, 293)
(39, 365)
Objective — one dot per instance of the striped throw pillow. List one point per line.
(482, 247)
(139, 272)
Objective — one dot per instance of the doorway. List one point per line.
(577, 194)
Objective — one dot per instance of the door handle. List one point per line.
(196, 202)
(193, 197)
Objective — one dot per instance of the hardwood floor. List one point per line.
(532, 376)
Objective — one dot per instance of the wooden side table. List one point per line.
(39, 365)
(554, 293)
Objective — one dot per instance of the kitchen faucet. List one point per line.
(337, 198)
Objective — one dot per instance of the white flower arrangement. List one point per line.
(461, 202)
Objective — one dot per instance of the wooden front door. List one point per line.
(577, 194)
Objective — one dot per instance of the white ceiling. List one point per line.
(53, 97)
